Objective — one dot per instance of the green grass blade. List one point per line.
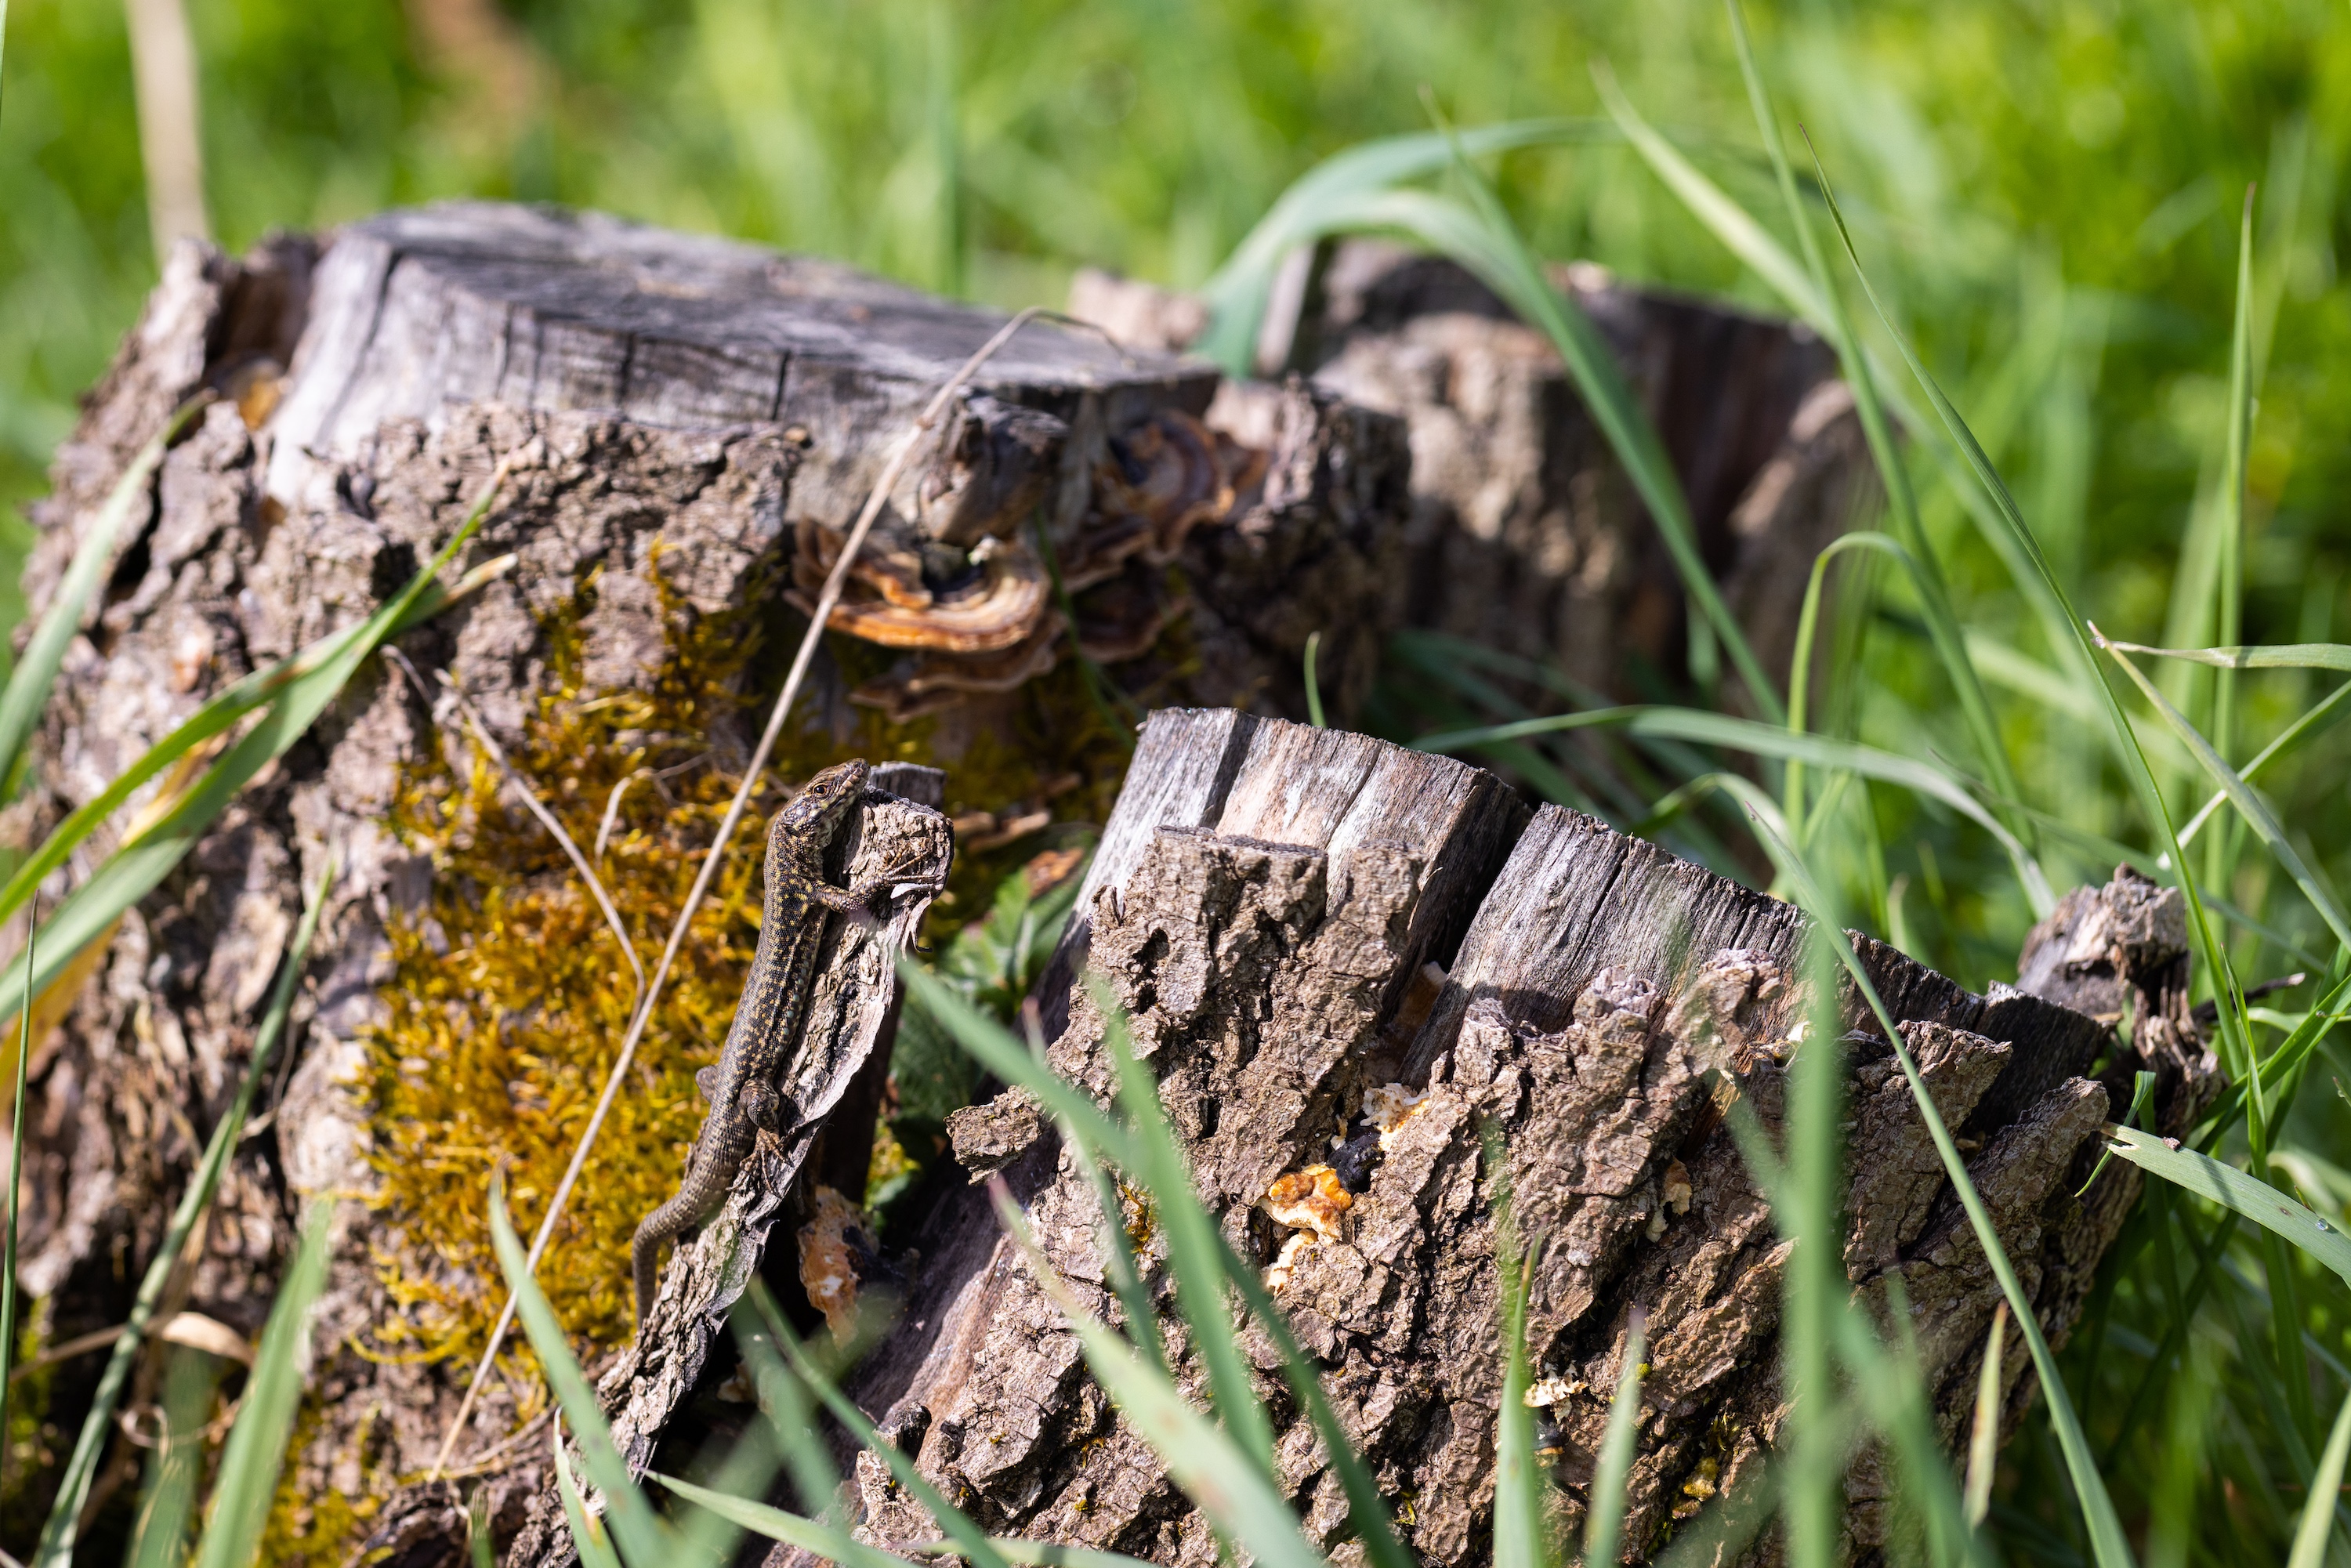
(16, 1186)
(2239, 1193)
(1800, 665)
(1890, 1391)
(2313, 721)
(783, 1398)
(58, 1535)
(1239, 1499)
(1124, 1268)
(2109, 1547)
(1902, 506)
(641, 1537)
(588, 1535)
(1486, 243)
(839, 1546)
(1313, 686)
(1008, 1059)
(2077, 637)
(1608, 1477)
(1713, 206)
(1809, 292)
(1983, 1438)
(256, 1449)
(1237, 295)
(1771, 741)
(2250, 806)
(824, 1541)
(1484, 240)
(2334, 656)
(159, 1537)
(2288, 1057)
(2325, 1489)
(28, 690)
(1368, 1511)
(2230, 587)
(1202, 1289)
(1521, 1539)
(957, 1525)
(134, 870)
(219, 714)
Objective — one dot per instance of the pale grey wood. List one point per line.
(539, 309)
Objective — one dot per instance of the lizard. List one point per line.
(741, 1088)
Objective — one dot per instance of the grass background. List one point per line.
(2047, 192)
(2048, 187)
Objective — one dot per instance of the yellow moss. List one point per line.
(509, 997)
(314, 1526)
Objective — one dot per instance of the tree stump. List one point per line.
(1340, 959)
(690, 424)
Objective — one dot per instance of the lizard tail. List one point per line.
(644, 1251)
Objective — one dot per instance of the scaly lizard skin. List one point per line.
(741, 1088)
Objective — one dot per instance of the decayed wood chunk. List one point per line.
(1525, 534)
(1603, 1005)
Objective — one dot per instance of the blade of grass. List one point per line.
(2250, 806)
(256, 1449)
(1800, 666)
(218, 716)
(2313, 719)
(1771, 741)
(1237, 295)
(2325, 1489)
(28, 690)
(640, 1535)
(1983, 1438)
(784, 1400)
(1483, 238)
(1603, 1530)
(159, 1537)
(588, 1535)
(141, 864)
(1313, 686)
(2239, 1193)
(1813, 294)
(1101, 1139)
(977, 1549)
(2229, 588)
(2109, 1547)
(16, 1186)
(2334, 656)
(1239, 1498)
(58, 1535)
(1520, 1538)
(2018, 534)
(839, 1546)
(1202, 1289)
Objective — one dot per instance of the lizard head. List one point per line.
(826, 801)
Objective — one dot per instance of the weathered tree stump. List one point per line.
(1524, 535)
(689, 423)
(1287, 916)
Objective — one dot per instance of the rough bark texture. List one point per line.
(1606, 1006)
(1525, 535)
(690, 424)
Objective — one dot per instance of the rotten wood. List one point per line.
(1253, 913)
(690, 422)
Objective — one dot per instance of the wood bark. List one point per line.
(691, 423)
(1524, 535)
(1263, 908)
